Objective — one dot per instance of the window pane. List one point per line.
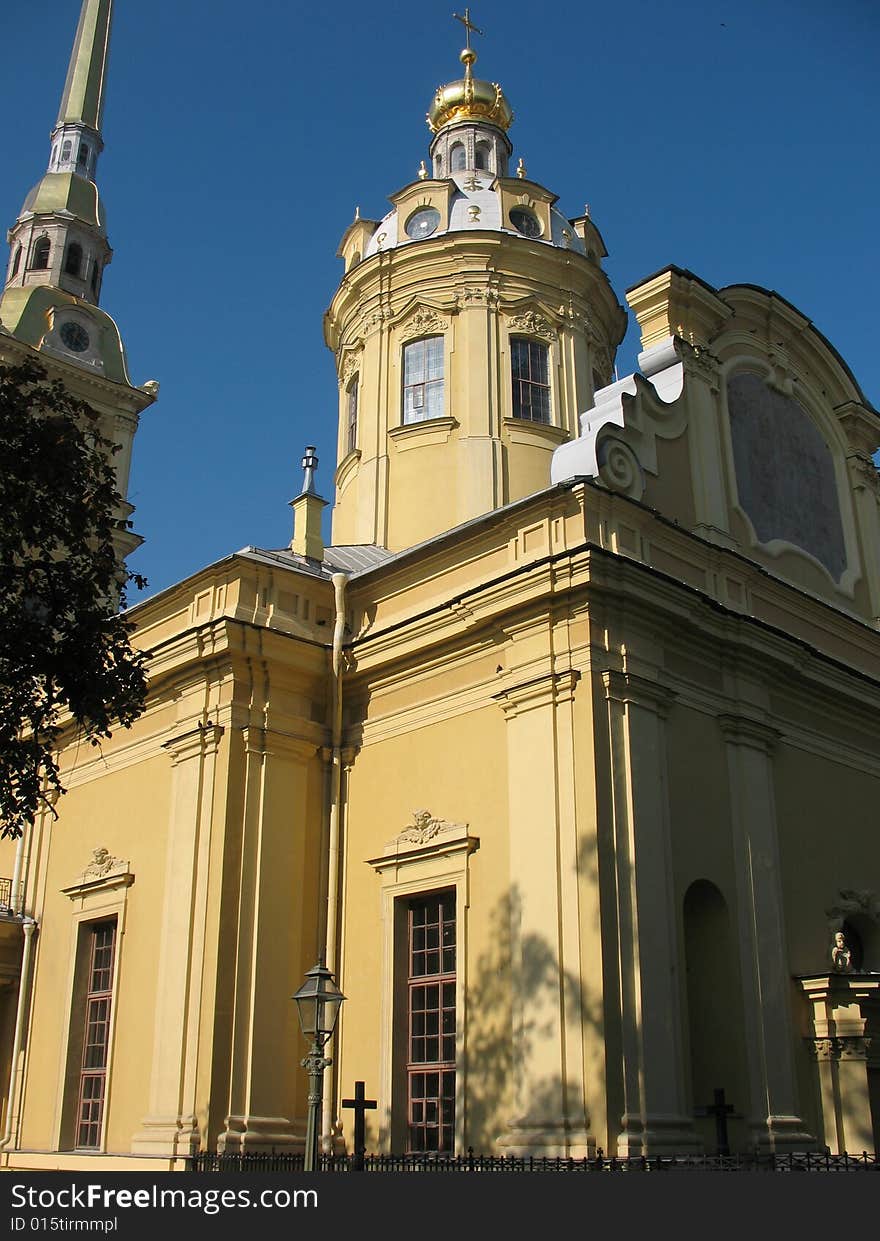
(432, 1018)
(530, 379)
(433, 357)
(423, 379)
(96, 1035)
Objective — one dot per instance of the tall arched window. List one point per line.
(40, 259)
(423, 379)
(96, 271)
(16, 263)
(353, 387)
(458, 158)
(530, 379)
(73, 259)
(482, 154)
(65, 151)
(83, 155)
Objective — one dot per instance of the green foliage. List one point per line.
(64, 646)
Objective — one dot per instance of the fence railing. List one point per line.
(288, 1161)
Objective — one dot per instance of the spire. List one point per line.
(82, 102)
(76, 138)
(59, 239)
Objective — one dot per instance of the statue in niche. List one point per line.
(841, 954)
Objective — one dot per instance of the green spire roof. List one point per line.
(83, 98)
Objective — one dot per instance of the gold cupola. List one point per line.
(469, 99)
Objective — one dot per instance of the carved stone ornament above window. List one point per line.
(427, 835)
(532, 324)
(425, 322)
(351, 361)
(104, 871)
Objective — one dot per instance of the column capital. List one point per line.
(628, 688)
(192, 742)
(267, 741)
(848, 1047)
(551, 689)
(746, 730)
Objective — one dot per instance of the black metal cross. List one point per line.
(721, 1110)
(361, 1105)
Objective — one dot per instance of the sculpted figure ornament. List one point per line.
(102, 862)
(841, 954)
(424, 827)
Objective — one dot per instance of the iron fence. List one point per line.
(287, 1161)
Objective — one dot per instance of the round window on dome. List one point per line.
(422, 223)
(525, 222)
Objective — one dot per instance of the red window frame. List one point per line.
(96, 1036)
(431, 1023)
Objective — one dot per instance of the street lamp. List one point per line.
(318, 1002)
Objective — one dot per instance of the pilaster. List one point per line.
(270, 953)
(774, 1119)
(551, 1116)
(655, 1117)
(171, 1128)
(845, 1047)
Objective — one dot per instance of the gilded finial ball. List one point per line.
(467, 56)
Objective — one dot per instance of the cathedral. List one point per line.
(562, 754)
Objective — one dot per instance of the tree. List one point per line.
(64, 642)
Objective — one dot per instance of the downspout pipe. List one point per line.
(28, 926)
(331, 937)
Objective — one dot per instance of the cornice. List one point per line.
(78, 379)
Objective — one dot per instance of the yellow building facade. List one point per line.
(563, 754)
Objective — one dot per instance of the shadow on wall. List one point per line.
(504, 1030)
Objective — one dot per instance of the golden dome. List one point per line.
(469, 99)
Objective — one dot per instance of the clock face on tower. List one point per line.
(74, 336)
(422, 223)
(526, 223)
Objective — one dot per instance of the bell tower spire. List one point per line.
(82, 101)
(59, 239)
(58, 253)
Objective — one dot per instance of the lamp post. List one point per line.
(318, 1002)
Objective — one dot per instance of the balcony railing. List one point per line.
(5, 896)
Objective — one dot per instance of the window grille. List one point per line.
(423, 379)
(431, 1007)
(530, 379)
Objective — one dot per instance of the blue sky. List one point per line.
(736, 138)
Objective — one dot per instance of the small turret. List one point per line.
(307, 510)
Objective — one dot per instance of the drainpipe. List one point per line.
(28, 926)
(15, 901)
(331, 946)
